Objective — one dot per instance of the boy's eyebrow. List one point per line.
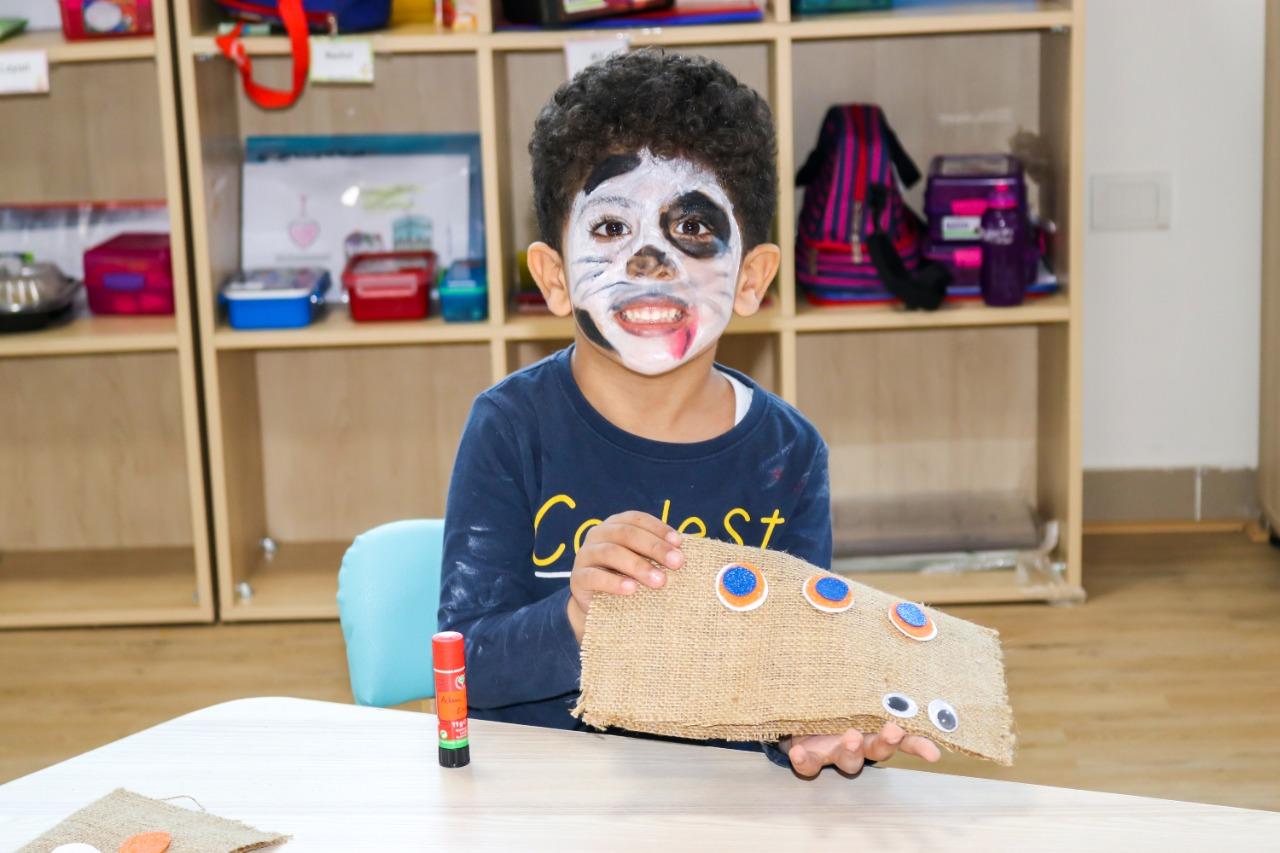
(621, 201)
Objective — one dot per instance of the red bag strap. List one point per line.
(295, 24)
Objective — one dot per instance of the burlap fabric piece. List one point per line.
(675, 661)
(108, 821)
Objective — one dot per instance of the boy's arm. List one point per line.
(519, 645)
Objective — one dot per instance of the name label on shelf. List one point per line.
(341, 60)
(24, 72)
(579, 53)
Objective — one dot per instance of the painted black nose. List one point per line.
(651, 262)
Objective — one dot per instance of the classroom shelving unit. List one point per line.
(316, 434)
(102, 508)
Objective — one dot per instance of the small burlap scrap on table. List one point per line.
(108, 821)
(675, 661)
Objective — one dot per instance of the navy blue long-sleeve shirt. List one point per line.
(538, 466)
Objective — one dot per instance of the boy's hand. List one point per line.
(810, 753)
(615, 556)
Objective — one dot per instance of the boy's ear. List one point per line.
(547, 268)
(754, 277)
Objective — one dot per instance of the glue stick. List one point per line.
(451, 698)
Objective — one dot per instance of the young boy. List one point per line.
(655, 186)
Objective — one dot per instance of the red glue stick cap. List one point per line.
(447, 651)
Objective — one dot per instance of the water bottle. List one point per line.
(1004, 257)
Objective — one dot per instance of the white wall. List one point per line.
(1171, 317)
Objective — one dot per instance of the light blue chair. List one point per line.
(388, 592)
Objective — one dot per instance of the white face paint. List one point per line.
(653, 252)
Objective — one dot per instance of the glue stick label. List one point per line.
(451, 707)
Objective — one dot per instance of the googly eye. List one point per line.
(828, 593)
(741, 587)
(912, 620)
(899, 704)
(943, 716)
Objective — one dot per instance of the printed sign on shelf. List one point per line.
(24, 72)
(341, 60)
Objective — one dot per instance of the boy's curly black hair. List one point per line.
(674, 105)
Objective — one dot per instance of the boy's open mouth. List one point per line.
(651, 315)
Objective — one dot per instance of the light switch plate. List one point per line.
(1131, 201)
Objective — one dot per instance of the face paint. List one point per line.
(653, 251)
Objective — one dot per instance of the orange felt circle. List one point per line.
(927, 631)
(146, 842)
(729, 587)
(821, 602)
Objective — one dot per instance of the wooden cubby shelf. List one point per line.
(811, 318)
(87, 335)
(103, 518)
(317, 434)
(60, 51)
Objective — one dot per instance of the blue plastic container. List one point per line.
(275, 298)
(464, 293)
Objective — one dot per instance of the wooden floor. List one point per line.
(1166, 683)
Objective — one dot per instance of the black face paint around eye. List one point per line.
(610, 167)
(709, 213)
(590, 330)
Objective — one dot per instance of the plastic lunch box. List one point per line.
(86, 19)
(275, 298)
(464, 292)
(389, 285)
(959, 188)
(130, 274)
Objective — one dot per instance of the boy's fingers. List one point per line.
(609, 555)
(849, 757)
(593, 579)
(921, 747)
(648, 522)
(644, 543)
(802, 762)
(849, 762)
(882, 746)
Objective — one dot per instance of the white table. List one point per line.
(341, 777)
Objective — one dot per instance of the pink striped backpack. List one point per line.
(858, 242)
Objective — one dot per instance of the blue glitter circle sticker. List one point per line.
(741, 587)
(739, 581)
(832, 589)
(911, 614)
(828, 593)
(913, 621)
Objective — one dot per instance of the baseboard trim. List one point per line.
(1129, 528)
(1170, 495)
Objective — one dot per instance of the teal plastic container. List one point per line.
(819, 7)
(464, 293)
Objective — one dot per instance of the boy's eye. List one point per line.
(610, 229)
(692, 228)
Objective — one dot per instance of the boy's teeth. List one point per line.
(651, 315)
